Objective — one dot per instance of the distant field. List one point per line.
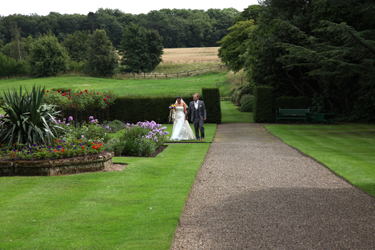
(183, 55)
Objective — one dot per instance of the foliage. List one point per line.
(51, 150)
(289, 102)
(233, 45)
(245, 98)
(313, 48)
(102, 57)
(47, 57)
(11, 67)
(77, 45)
(212, 102)
(263, 104)
(115, 125)
(178, 27)
(141, 49)
(141, 139)
(27, 120)
(247, 106)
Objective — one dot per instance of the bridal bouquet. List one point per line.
(171, 113)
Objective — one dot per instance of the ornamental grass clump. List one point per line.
(141, 139)
(27, 119)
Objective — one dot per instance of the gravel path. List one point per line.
(255, 192)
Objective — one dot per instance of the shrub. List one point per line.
(141, 139)
(27, 120)
(246, 97)
(212, 103)
(247, 105)
(263, 104)
(246, 90)
(47, 57)
(11, 67)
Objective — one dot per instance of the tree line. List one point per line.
(322, 49)
(179, 28)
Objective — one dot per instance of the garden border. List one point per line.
(54, 167)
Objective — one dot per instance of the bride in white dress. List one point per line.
(181, 127)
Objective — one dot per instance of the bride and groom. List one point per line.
(181, 127)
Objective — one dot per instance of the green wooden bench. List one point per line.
(301, 114)
(328, 118)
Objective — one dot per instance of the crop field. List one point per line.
(183, 55)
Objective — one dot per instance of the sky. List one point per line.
(44, 7)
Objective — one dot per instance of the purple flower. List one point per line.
(82, 136)
(91, 118)
(70, 118)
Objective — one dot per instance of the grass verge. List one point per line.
(230, 114)
(348, 150)
(137, 208)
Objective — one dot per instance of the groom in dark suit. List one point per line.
(198, 116)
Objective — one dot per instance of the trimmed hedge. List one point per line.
(135, 109)
(288, 102)
(263, 104)
(212, 101)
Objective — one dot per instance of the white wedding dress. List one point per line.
(181, 127)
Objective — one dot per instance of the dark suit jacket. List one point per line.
(201, 110)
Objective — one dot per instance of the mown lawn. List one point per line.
(230, 114)
(138, 208)
(348, 150)
(147, 87)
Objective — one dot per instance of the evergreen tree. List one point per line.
(77, 45)
(141, 49)
(102, 57)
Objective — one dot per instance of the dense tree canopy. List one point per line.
(140, 49)
(178, 27)
(323, 49)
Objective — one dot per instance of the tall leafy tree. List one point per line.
(102, 57)
(141, 49)
(77, 45)
(47, 56)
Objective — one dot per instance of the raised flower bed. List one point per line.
(53, 167)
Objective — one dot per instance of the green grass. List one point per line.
(209, 130)
(348, 150)
(230, 114)
(138, 208)
(174, 87)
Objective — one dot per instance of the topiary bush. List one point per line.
(212, 103)
(263, 104)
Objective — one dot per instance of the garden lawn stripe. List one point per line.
(104, 210)
(230, 114)
(348, 150)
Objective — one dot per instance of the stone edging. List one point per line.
(91, 163)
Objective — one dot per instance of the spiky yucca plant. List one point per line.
(27, 119)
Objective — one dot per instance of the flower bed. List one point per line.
(53, 167)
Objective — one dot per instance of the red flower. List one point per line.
(97, 93)
(81, 92)
(105, 108)
(86, 90)
(83, 147)
(94, 147)
(105, 99)
(59, 91)
(56, 141)
(107, 96)
(68, 89)
(70, 105)
(47, 90)
(106, 102)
